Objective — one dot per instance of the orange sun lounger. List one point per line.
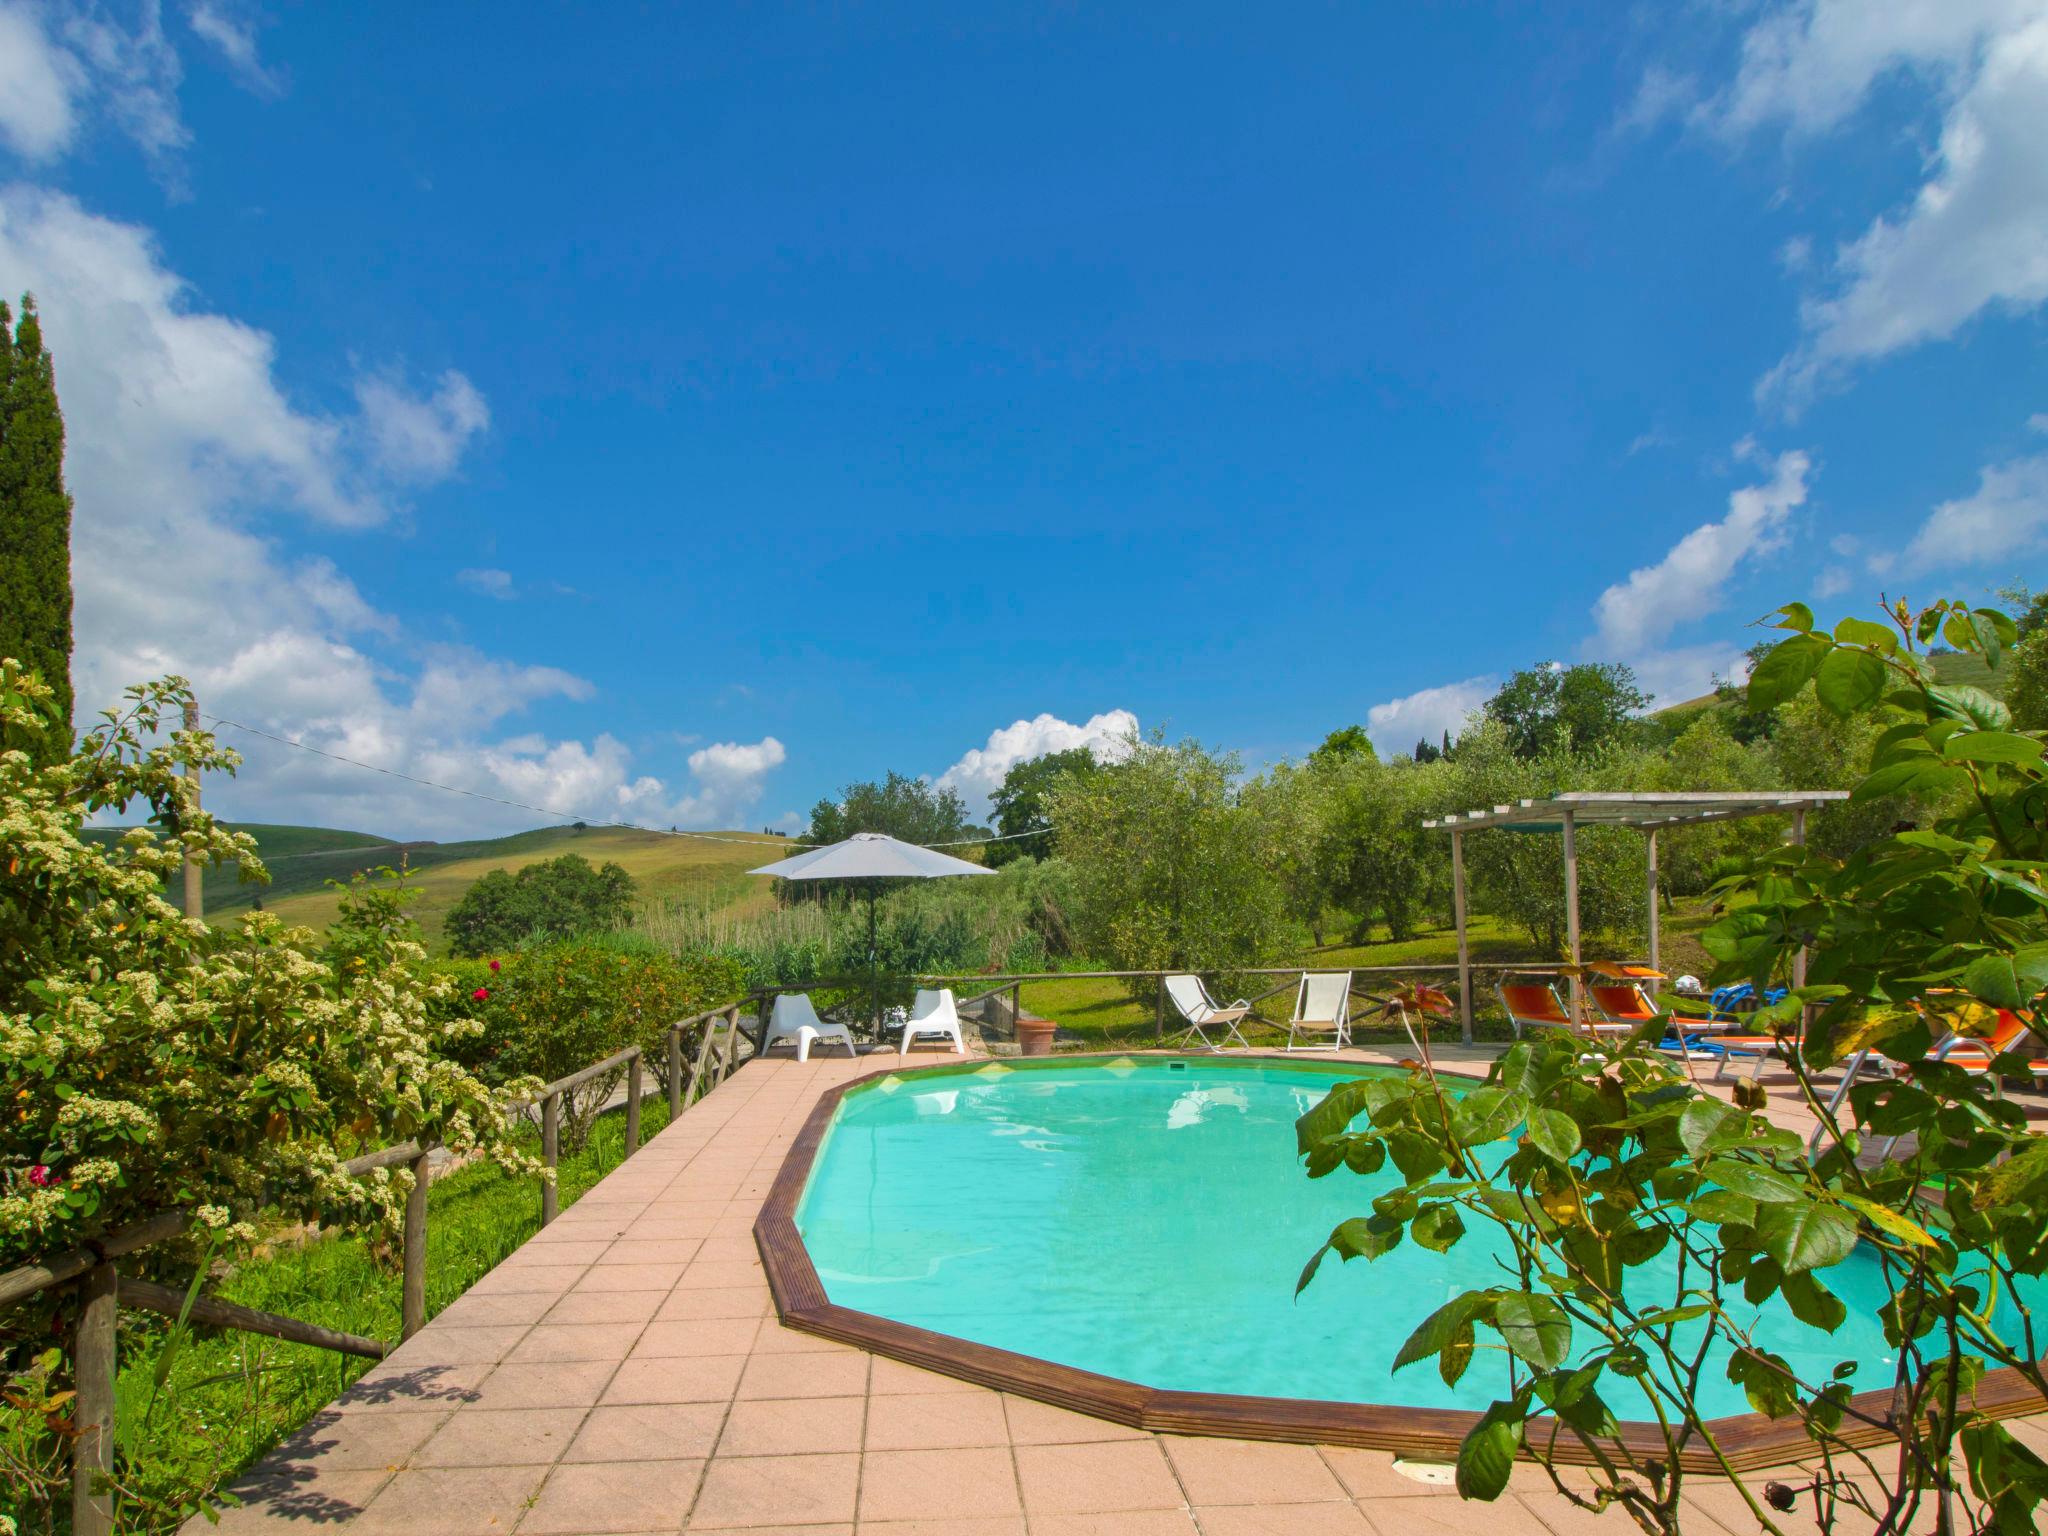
(1536, 1005)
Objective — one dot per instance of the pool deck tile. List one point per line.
(623, 1372)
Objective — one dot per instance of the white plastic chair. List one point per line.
(1203, 1014)
(932, 1013)
(793, 1018)
(1322, 1004)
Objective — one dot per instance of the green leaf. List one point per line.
(1722, 1207)
(1437, 1227)
(2009, 981)
(1534, 1326)
(1962, 702)
(1766, 1381)
(1863, 632)
(1785, 670)
(1456, 1354)
(1753, 1180)
(1803, 1235)
(1553, 1133)
(1849, 680)
(1813, 1303)
(1794, 616)
(1922, 774)
(1703, 1120)
(1990, 640)
(1487, 1456)
(1991, 747)
(1487, 1114)
(1331, 1116)
(1440, 1328)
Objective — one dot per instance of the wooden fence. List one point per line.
(996, 984)
(105, 1289)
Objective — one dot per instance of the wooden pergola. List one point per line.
(1648, 812)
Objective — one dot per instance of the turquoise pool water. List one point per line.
(1148, 1221)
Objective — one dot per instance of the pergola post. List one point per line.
(1464, 949)
(1799, 957)
(1650, 846)
(1571, 910)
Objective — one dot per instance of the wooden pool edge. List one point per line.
(1747, 1442)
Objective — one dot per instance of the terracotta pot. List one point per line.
(1034, 1036)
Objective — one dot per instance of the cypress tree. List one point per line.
(35, 514)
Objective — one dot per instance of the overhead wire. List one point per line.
(566, 818)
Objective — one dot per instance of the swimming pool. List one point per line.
(1146, 1219)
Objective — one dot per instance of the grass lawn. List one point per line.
(1098, 1015)
(231, 1397)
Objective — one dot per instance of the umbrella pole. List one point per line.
(874, 983)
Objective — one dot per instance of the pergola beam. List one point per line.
(1648, 812)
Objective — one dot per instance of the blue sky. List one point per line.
(672, 416)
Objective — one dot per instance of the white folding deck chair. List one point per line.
(793, 1018)
(1322, 1003)
(1203, 1014)
(932, 1013)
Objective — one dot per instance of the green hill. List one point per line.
(302, 860)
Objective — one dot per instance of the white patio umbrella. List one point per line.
(871, 857)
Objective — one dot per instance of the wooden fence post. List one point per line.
(732, 1038)
(550, 1145)
(633, 1105)
(675, 1072)
(92, 1358)
(413, 1288)
(195, 881)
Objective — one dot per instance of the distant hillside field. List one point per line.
(1955, 668)
(303, 859)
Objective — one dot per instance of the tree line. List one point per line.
(1170, 854)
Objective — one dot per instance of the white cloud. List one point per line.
(1974, 236)
(491, 583)
(135, 74)
(1832, 581)
(233, 37)
(1426, 714)
(2005, 517)
(981, 770)
(1672, 675)
(420, 438)
(1634, 616)
(188, 464)
(64, 65)
(39, 79)
(2038, 422)
(730, 777)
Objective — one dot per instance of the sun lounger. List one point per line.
(1322, 1005)
(1536, 1005)
(1200, 1010)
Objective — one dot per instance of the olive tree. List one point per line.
(1173, 867)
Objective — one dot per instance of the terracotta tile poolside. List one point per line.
(623, 1372)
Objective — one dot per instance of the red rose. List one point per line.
(480, 994)
(41, 1177)
(494, 967)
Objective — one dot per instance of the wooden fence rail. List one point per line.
(93, 1345)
